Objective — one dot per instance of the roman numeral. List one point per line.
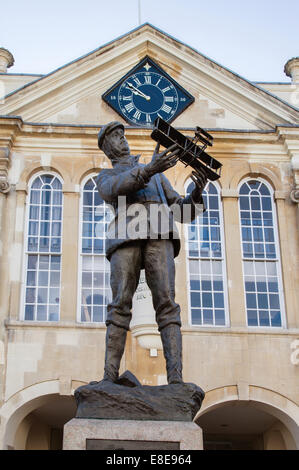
(148, 118)
(129, 107)
(127, 98)
(137, 81)
(169, 99)
(137, 114)
(166, 108)
(165, 89)
(147, 80)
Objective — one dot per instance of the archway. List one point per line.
(42, 429)
(242, 426)
(34, 418)
(265, 420)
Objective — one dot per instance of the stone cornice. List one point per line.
(73, 139)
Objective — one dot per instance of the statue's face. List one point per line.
(116, 144)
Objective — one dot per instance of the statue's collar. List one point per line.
(130, 160)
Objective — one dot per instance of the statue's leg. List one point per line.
(115, 345)
(125, 265)
(160, 276)
(171, 337)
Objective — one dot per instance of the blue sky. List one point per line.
(252, 38)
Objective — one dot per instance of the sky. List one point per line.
(253, 38)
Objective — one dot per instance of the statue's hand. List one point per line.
(200, 179)
(162, 161)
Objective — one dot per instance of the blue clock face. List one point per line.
(146, 93)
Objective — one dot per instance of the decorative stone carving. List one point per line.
(294, 195)
(4, 163)
(4, 185)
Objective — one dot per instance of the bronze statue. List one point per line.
(146, 185)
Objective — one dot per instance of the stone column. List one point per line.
(69, 266)
(236, 299)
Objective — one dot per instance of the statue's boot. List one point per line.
(172, 347)
(115, 345)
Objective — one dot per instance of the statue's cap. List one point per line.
(106, 130)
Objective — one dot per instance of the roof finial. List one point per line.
(6, 60)
(291, 69)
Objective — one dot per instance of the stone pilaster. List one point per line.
(4, 189)
(236, 299)
(69, 265)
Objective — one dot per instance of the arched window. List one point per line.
(94, 268)
(206, 261)
(261, 265)
(43, 249)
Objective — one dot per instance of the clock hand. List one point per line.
(138, 92)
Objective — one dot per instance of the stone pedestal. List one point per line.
(103, 434)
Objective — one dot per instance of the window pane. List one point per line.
(275, 318)
(53, 312)
(207, 317)
(252, 317)
(29, 312)
(196, 316)
(30, 295)
(219, 317)
(41, 312)
(43, 278)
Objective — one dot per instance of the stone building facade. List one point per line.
(237, 282)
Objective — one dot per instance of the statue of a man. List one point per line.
(147, 185)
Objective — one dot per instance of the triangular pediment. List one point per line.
(72, 94)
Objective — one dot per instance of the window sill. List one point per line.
(240, 330)
(12, 324)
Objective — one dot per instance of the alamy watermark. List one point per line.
(149, 220)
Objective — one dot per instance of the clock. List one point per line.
(147, 92)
